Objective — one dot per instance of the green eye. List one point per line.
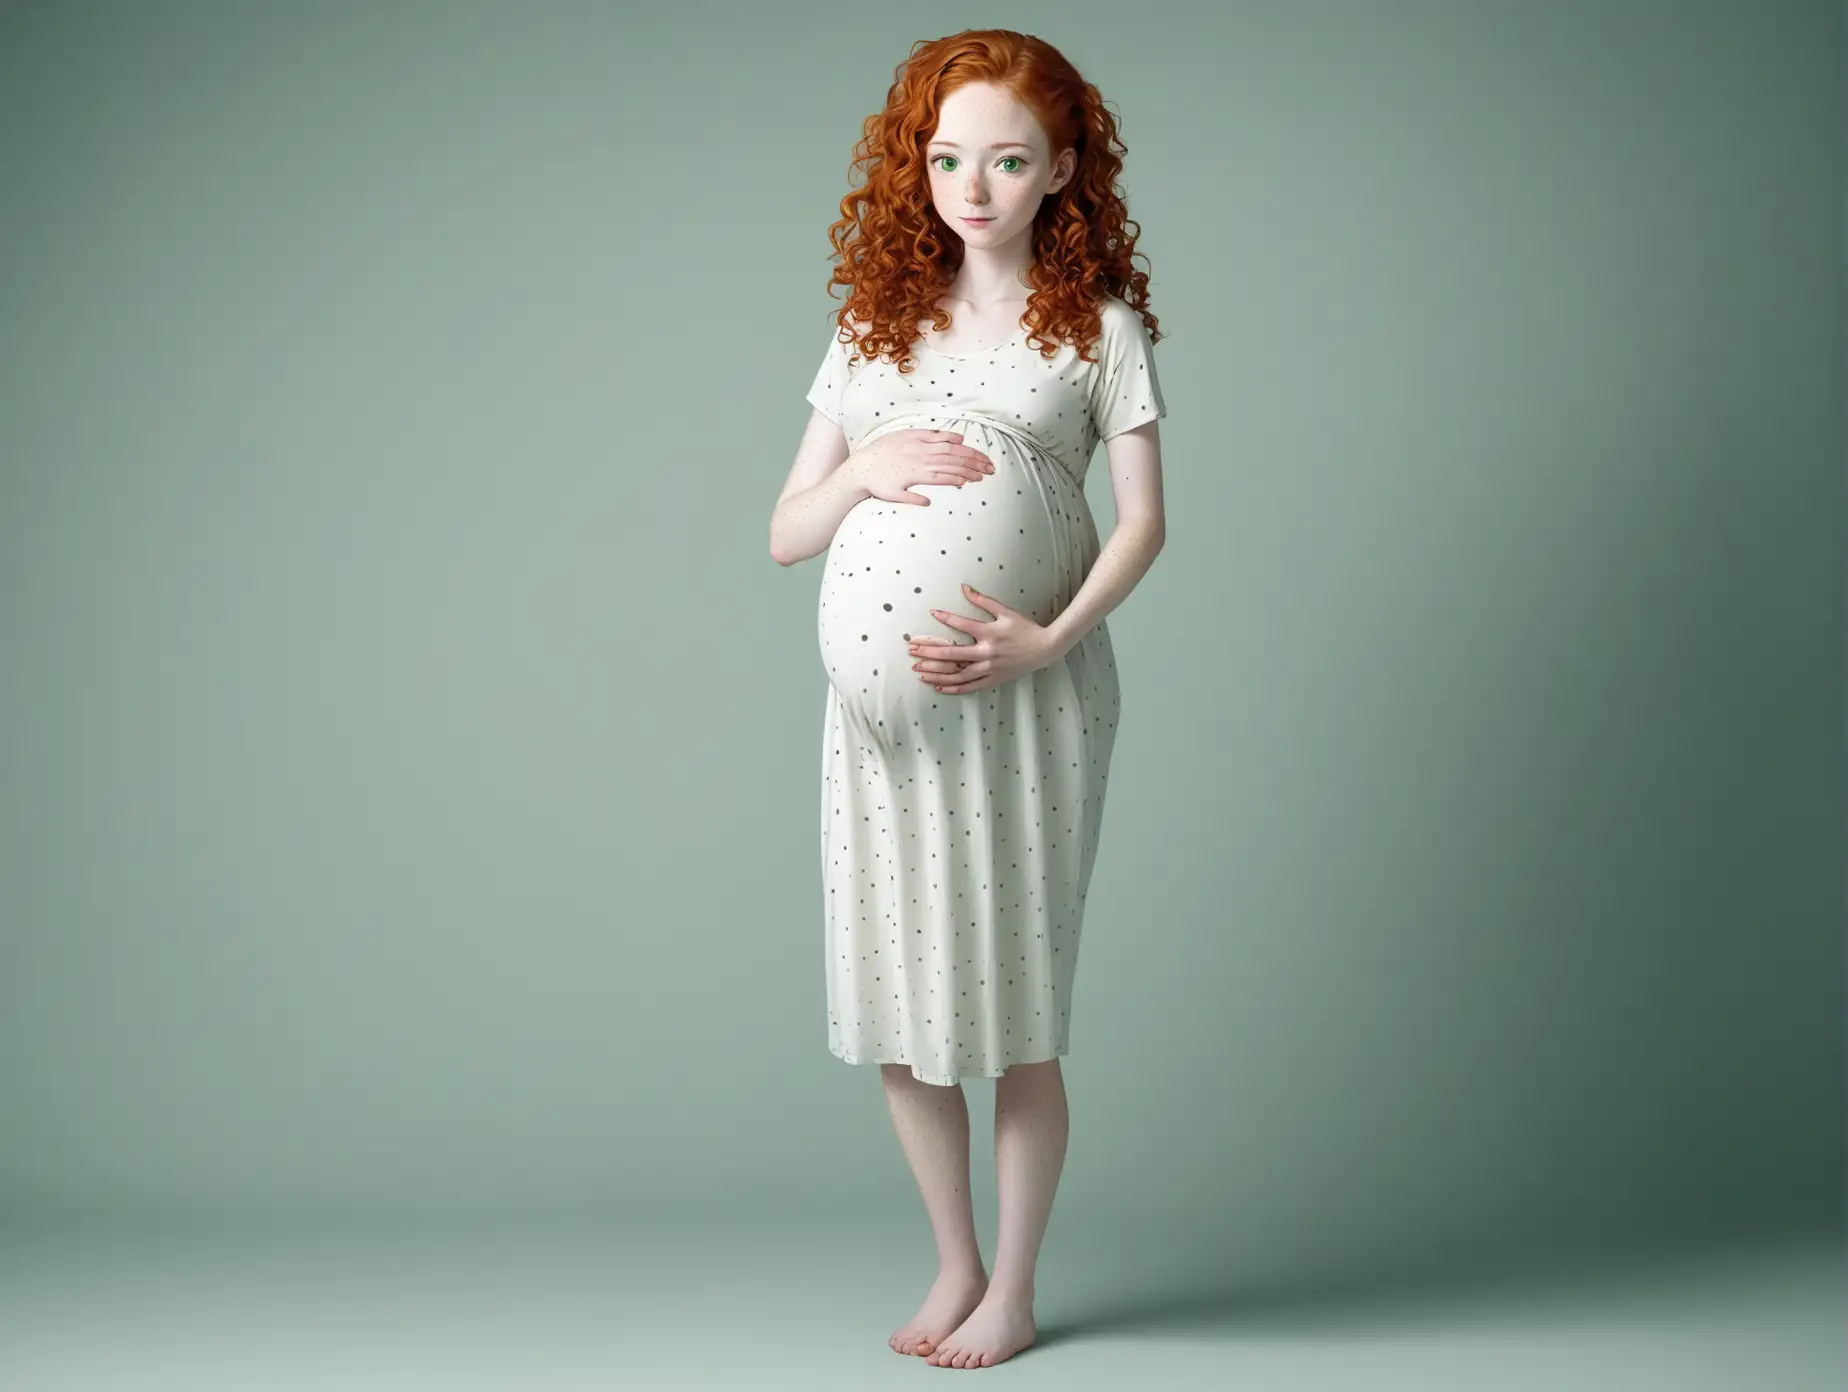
(1014, 160)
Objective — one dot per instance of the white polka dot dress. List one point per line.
(958, 832)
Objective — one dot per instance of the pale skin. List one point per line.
(989, 156)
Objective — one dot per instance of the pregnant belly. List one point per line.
(890, 564)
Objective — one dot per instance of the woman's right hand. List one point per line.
(899, 458)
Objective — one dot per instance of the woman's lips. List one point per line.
(978, 222)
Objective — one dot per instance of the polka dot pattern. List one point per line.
(959, 832)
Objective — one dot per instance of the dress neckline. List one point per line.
(1019, 336)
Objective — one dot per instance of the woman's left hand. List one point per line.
(1005, 647)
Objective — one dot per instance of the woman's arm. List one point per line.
(1135, 541)
(817, 494)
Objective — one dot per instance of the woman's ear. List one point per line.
(1065, 166)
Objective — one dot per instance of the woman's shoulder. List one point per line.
(858, 328)
(1117, 312)
(848, 346)
(1117, 321)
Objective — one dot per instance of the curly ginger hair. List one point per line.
(897, 258)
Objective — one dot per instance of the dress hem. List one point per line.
(950, 1079)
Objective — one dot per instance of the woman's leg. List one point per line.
(1032, 1124)
(933, 1129)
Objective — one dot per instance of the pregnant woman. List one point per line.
(994, 333)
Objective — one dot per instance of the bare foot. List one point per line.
(952, 1296)
(998, 1328)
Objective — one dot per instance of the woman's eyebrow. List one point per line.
(1004, 145)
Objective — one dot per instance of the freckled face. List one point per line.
(989, 158)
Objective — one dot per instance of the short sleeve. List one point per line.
(1125, 391)
(831, 378)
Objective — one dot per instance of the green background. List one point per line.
(411, 751)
